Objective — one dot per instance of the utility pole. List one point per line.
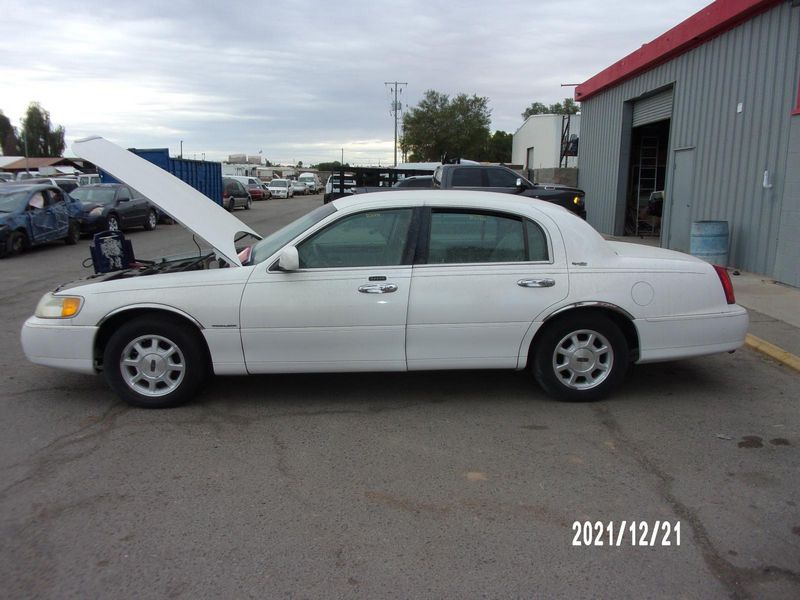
(396, 108)
(181, 148)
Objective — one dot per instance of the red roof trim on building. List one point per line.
(796, 110)
(715, 19)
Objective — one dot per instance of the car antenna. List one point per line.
(199, 250)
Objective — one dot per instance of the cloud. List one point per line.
(300, 80)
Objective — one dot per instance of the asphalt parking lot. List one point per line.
(424, 485)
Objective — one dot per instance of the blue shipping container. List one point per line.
(204, 176)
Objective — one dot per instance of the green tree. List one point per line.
(568, 107)
(536, 108)
(499, 149)
(330, 166)
(39, 135)
(8, 137)
(439, 125)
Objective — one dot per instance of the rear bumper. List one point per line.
(61, 345)
(691, 335)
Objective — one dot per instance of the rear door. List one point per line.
(478, 285)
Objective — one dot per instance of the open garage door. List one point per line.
(653, 108)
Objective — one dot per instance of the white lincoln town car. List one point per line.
(381, 282)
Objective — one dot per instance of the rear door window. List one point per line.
(463, 236)
(467, 177)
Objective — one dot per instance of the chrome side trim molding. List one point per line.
(596, 304)
(164, 307)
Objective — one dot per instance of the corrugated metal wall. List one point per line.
(755, 64)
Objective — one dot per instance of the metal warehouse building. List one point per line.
(708, 113)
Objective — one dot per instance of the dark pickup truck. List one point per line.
(504, 180)
(495, 179)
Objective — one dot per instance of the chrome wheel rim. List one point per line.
(113, 224)
(583, 359)
(152, 219)
(152, 365)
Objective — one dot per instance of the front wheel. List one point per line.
(152, 220)
(580, 358)
(248, 204)
(15, 243)
(112, 223)
(152, 362)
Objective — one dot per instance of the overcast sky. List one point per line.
(298, 80)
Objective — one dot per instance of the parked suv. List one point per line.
(234, 194)
(311, 180)
(281, 188)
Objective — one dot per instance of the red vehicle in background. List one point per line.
(253, 186)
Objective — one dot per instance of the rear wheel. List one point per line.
(73, 233)
(152, 220)
(580, 358)
(152, 362)
(112, 223)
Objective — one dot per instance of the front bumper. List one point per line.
(59, 344)
(94, 224)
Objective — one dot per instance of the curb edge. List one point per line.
(773, 351)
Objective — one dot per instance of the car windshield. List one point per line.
(274, 242)
(11, 201)
(94, 195)
(278, 183)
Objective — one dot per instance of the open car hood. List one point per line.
(182, 202)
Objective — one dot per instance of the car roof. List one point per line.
(581, 239)
(104, 185)
(25, 187)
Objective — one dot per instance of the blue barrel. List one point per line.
(709, 241)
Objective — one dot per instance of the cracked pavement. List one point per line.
(425, 485)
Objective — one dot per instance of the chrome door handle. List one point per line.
(531, 283)
(378, 288)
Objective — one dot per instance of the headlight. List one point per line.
(96, 211)
(577, 200)
(58, 307)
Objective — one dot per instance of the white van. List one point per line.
(88, 179)
(311, 180)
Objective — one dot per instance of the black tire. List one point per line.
(160, 384)
(73, 233)
(16, 243)
(152, 220)
(580, 358)
(248, 204)
(112, 223)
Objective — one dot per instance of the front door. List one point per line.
(681, 200)
(484, 279)
(344, 309)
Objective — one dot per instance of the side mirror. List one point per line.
(289, 259)
(519, 183)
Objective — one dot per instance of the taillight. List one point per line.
(725, 280)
